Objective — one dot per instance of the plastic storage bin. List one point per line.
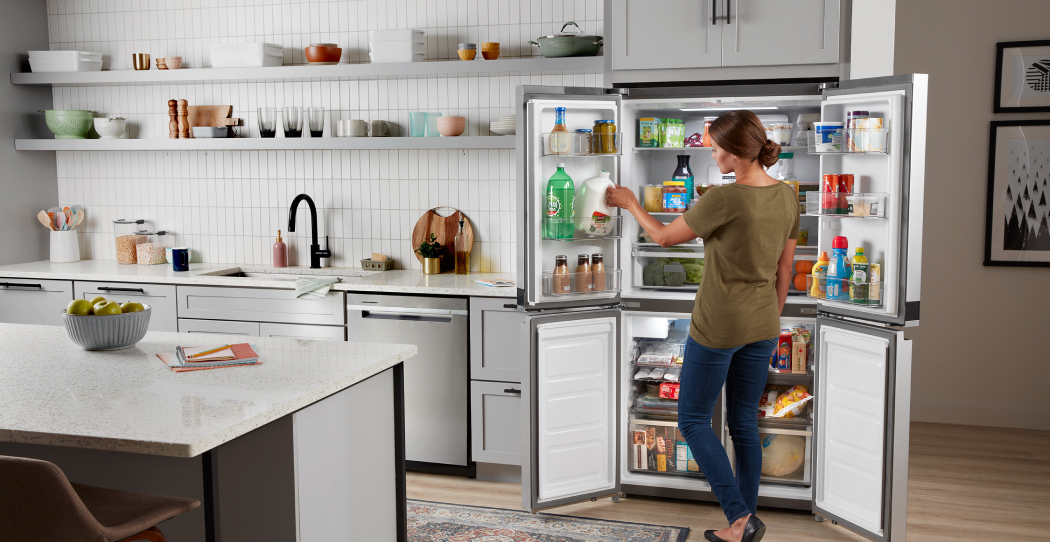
(391, 57)
(246, 55)
(405, 34)
(64, 61)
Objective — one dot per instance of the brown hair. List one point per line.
(740, 133)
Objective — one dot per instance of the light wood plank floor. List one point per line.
(966, 483)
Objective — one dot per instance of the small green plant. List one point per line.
(430, 249)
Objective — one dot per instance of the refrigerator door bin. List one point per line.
(581, 144)
(857, 205)
(586, 228)
(855, 293)
(581, 284)
(858, 141)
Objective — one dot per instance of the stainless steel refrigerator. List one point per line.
(580, 391)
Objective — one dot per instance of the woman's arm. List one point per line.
(665, 235)
(784, 268)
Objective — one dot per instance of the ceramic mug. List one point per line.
(380, 128)
(356, 128)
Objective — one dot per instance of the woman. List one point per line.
(749, 230)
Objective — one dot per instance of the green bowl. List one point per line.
(69, 124)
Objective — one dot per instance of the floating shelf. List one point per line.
(292, 73)
(268, 144)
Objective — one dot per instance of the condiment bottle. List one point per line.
(280, 252)
(560, 277)
(583, 274)
(838, 270)
(559, 141)
(597, 272)
(462, 254)
(684, 174)
(820, 276)
(858, 286)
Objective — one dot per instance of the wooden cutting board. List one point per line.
(212, 115)
(445, 228)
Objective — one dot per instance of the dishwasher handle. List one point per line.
(406, 311)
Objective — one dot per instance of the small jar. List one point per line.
(560, 283)
(582, 144)
(154, 250)
(675, 197)
(467, 51)
(605, 137)
(583, 274)
(597, 272)
(127, 240)
(653, 198)
(707, 130)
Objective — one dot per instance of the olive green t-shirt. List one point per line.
(744, 229)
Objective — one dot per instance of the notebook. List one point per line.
(235, 355)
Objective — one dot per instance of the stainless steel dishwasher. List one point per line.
(437, 378)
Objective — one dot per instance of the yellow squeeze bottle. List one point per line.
(820, 276)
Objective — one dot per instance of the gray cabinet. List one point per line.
(297, 331)
(495, 422)
(665, 34)
(775, 32)
(221, 327)
(495, 339)
(33, 301)
(160, 298)
(260, 305)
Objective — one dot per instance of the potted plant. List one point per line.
(431, 252)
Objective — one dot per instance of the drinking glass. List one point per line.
(267, 121)
(417, 121)
(432, 124)
(293, 122)
(316, 121)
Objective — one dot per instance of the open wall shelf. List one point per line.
(268, 144)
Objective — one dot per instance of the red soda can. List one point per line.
(845, 189)
(829, 194)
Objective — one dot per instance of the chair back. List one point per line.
(38, 503)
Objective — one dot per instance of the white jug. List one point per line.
(593, 215)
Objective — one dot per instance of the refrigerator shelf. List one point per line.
(577, 144)
(586, 228)
(803, 422)
(789, 379)
(868, 294)
(691, 246)
(852, 141)
(684, 288)
(783, 148)
(612, 284)
(858, 205)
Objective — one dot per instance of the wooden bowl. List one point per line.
(451, 126)
(173, 62)
(323, 53)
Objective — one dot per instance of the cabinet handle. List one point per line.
(729, 11)
(111, 289)
(714, 12)
(509, 306)
(19, 284)
(511, 390)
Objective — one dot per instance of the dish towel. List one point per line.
(313, 287)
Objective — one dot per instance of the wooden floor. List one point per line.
(965, 483)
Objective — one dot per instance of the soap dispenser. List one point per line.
(280, 252)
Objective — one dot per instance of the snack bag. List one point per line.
(792, 402)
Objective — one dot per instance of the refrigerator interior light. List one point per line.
(753, 108)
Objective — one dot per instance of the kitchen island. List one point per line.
(308, 445)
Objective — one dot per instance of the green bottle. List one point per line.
(558, 223)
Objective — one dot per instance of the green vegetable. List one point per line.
(663, 272)
(694, 271)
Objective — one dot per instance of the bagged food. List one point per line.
(792, 402)
(782, 454)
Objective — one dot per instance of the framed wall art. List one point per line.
(1016, 222)
(1022, 77)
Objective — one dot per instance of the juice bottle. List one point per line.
(858, 285)
(684, 174)
(820, 277)
(561, 192)
(559, 142)
(838, 270)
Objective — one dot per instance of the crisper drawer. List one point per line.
(218, 327)
(495, 422)
(786, 454)
(297, 331)
(495, 339)
(259, 305)
(674, 268)
(658, 447)
(32, 301)
(160, 298)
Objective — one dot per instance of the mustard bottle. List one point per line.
(820, 277)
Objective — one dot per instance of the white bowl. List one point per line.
(502, 131)
(111, 128)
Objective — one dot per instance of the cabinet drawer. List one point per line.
(160, 297)
(495, 340)
(296, 331)
(32, 301)
(495, 412)
(218, 327)
(259, 305)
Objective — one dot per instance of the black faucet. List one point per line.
(315, 250)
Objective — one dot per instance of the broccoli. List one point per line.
(663, 272)
(694, 271)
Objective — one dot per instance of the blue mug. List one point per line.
(180, 259)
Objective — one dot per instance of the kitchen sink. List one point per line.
(291, 277)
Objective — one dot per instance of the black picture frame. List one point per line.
(990, 211)
(997, 106)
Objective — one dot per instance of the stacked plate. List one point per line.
(506, 125)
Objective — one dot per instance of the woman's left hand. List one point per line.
(620, 196)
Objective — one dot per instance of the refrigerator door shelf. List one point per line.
(865, 294)
(577, 284)
(587, 228)
(578, 144)
(854, 205)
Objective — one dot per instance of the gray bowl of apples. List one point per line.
(105, 324)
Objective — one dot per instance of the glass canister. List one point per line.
(653, 198)
(583, 142)
(154, 250)
(604, 137)
(127, 240)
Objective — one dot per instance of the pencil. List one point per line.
(206, 352)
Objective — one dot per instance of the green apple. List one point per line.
(107, 308)
(79, 307)
(97, 300)
(131, 307)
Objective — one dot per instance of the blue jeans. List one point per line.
(743, 370)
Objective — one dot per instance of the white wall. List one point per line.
(982, 354)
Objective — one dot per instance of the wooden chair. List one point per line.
(37, 503)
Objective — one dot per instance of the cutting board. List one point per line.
(215, 116)
(445, 228)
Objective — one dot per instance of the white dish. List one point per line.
(64, 61)
(397, 46)
(111, 128)
(394, 35)
(502, 131)
(246, 55)
(205, 132)
(397, 56)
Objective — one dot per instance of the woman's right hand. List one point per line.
(620, 196)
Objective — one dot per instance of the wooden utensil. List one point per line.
(215, 116)
(45, 220)
(444, 228)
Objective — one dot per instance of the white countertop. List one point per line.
(53, 392)
(205, 274)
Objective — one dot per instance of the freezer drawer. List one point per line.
(32, 301)
(495, 339)
(188, 325)
(495, 422)
(160, 298)
(296, 331)
(259, 305)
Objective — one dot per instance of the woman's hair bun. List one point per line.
(769, 154)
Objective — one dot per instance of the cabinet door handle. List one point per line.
(509, 306)
(729, 11)
(511, 390)
(19, 284)
(111, 289)
(714, 12)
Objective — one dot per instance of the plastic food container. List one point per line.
(396, 56)
(128, 240)
(398, 46)
(246, 55)
(653, 198)
(64, 61)
(829, 136)
(407, 34)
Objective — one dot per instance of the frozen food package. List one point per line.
(657, 373)
(661, 445)
(782, 454)
(669, 390)
(661, 462)
(638, 436)
(658, 360)
(681, 457)
(650, 437)
(792, 402)
(674, 374)
(693, 465)
(638, 456)
(642, 374)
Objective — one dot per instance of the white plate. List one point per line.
(502, 131)
(504, 124)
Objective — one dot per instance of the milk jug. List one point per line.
(593, 215)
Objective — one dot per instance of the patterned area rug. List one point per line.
(440, 522)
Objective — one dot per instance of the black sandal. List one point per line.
(753, 531)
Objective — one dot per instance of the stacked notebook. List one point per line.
(195, 358)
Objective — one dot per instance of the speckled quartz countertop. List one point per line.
(203, 274)
(52, 392)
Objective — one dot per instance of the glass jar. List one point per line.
(653, 198)
(582, 143)
(127, 240)
(604, 136)
(154, 250)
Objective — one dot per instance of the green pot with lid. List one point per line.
(568, 43)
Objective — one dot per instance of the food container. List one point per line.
(140, 61)
(323, 54)
(583, 142)
(154, 250)
(111, 128)
(107, 332)
(64, 61)
(206, 132)
(490, 50)
(69, 124)
(396, 56)
(781, 134)
(373, 265)
(467, 51)
(246, 55)
(675, 197)
(398, 46)
(128, 240)
(568, 43)
(405, 34)
(604, 138)
(653, 198)
(829, 136)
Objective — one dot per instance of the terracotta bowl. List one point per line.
(173, 62)
(323, 53)
(451, 126)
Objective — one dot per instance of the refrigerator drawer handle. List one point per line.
(644, 254)
(20, 285)
(407, 310)
(511, 390)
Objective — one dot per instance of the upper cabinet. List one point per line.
(674, 34)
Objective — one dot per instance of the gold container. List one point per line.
(140, 61)
(431, 266)
(467, 54)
